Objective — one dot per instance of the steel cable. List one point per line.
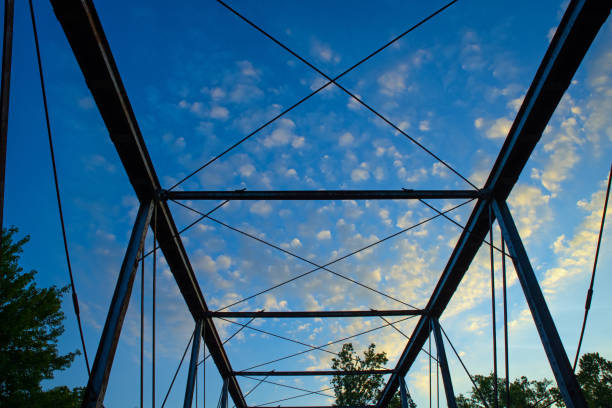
(286, 385)
(311, 95)
(312, 348)
(75, 299)
(177, 370)
(352, 95)
(331, 262)
(587, 304)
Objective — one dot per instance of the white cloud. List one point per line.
(261, 208)
(530, 209)
(206, 263)
(243, 93)
(411, 176)
(360, 174)
(246, 170)
(440, 170)
(291, 173)
(217, 93)
(393, 82)
(551, 33)
(298, 142)
(323, 235)
(478, 123)
(346, 139)
(405, 220)
(499, 129)
(247, 69)
(296, 243)
(384, 215)
(424, 126)
(575, 255)
(219, 112)
(561, 147)
(471, 53)
(272, 304)
(283, 134)
(379, 173)
(224, 261)
(353, 104)
(324, 52)
(476, 324)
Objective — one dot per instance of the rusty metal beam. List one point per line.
(315, 314)
(85, 34)
(405, 194)
(575, 33)
(100, 372)
(311, 373)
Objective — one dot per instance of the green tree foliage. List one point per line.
(594, 376)
(523, 393)
(595, 379)
(360, 390)
(30, 324)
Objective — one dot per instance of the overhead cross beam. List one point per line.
(311, 373)
(324, 195)
(317, 314)
(85, 34)
(574, 35)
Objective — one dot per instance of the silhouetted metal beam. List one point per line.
(5, 85)
(403, 392)
(309, 373)
(320, 313)
(193, 365)
(324, 195)
(86, 36)
(446, 378)
(100, 371)
(575, 33)
(560, 364)
(223, 400)
(316, 406)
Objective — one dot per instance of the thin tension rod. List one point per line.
(337, 259)
(423, 21)
(352, 95)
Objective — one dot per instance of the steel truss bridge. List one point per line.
(86, 36)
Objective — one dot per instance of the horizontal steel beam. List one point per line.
(575, 33)
(320, 313)
(323, 195)
(84, 32)
(310, 373)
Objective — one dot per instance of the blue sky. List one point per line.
(199, 79)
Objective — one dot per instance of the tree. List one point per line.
(595, 379)
(31, 322)
(523, 393)
(361, 390)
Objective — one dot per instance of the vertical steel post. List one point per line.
(193, 365)
(7, 53)
(223, 402)
(566, 380)
(446, 379)
(403, 392)
(98, 380)
(493, 313)
(204, 363)
(507, 381)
